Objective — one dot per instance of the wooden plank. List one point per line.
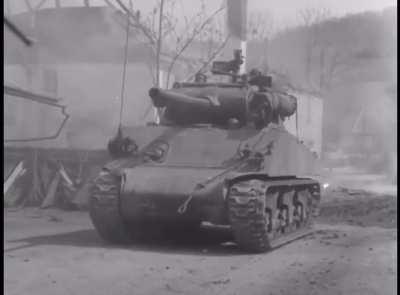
(45, 175)
(14, 175)
(9, 166)
(36, 194)
(65, 176)
(50, 198)
(82, 162)
(15, 191)
(14, 195)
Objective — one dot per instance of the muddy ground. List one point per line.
(352, 251)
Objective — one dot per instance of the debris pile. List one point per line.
(49, 178)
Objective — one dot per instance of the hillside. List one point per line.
(336, 50)
(351, 61)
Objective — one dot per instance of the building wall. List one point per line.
(91, 93)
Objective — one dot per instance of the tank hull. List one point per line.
(262, 211)
(158, 193)
(240, 178)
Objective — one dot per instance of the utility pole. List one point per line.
(159, 44)
(158, 52)
(236, 23)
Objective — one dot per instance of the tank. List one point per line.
(220, 154)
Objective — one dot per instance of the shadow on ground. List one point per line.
(207, 241)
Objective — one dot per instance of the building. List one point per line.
(306, 124)
(78, 57)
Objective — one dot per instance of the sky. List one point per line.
(284, 12)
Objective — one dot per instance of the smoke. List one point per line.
(350, 62)
(368, 94)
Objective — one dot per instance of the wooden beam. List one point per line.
(66, 178)
(18, 170)
(50, 198)
(17, 32)
(17, 92)
(36, 194)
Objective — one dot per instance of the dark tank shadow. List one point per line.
(207, 241)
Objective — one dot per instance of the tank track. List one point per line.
(105, 212)
(266, 214)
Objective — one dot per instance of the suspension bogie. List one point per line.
(283, 209)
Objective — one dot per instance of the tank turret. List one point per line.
(250, 101)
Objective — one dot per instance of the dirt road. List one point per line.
(352, 251)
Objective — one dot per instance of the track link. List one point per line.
(105, 212)
(264, 214)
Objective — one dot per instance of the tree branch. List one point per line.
(196, 31)
(210, 59)
(137, 22)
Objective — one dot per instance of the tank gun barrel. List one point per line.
(162, 98)
(188, 106)
(196, 106)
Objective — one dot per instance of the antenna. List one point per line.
(124, 74)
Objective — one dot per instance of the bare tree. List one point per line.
(260, 25)
(260, 29)
(334, 63)
(161, 30)
(166, 41)
(311, 19)
(212, 55)
(201, 27)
